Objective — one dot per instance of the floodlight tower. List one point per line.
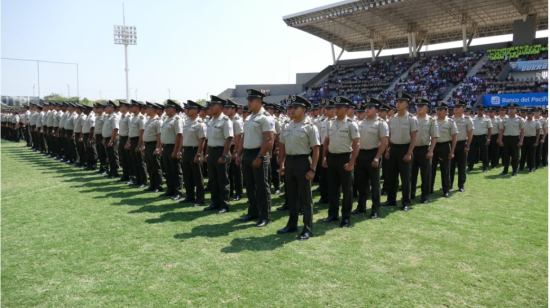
(125, 35)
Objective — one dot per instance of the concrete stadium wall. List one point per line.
(303, 78)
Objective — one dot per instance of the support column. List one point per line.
(333, 56)
(464, 38)
(413, 39)
(410, 46)
(372, 50)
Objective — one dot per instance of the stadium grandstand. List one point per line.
(467, 73)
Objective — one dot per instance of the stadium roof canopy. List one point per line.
(354, 25)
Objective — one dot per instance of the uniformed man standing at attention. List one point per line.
(541, 141)
(123, 151)
(530, 142)
(110, 131)
(235, 172)
(194, 136)
(138, 168)
(426, 139)
(465, 127)
(218, 156)
(151, 148)
(330, 114)
(69, 134)
(257, 143)
(40, 127)
(483, 127)
(98, 138)
(444, 148)
(341, 147)
(88, 127)
(80, 146)
(374, 134)
(512, 131)
(297, 140)
(171, 137)
(61, 132)
(494, 146)
(403, 129)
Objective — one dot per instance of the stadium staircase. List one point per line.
(473, 71)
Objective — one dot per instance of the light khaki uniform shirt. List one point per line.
(193, 131)
(340, 135)
(531, 128)
(124, 124)
(447, 128)
(219, 129)
(137, 123)
(111, 122)
(371, 131)
(427, 129)
(238, 126)
(298, 138)
(254, 128)
(512, 126)
(79, 122)
(40, 119)
(88, 123)
(50, 117)
(32, 119)
(496, 123)
(171, 127)
(99, 120)
(464, 125)
(481, 125)
(402, 127)
(70, 121)
(152, 129)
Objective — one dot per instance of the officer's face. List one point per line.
(401, 105)
(341, 111)
(296, 112)
(331, 112)
(134, 109)
(361, 114)
(151, 111)
(192, 112)
(480, 113)
(529, 116)
(441, 113)
(170, 111)
(229, 111)
(422, 109)
(254, 104)
(512, 110)
(371, 111)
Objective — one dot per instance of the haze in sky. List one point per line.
(192, 48)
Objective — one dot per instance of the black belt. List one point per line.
(134, 137)
(528, 137)
(460, 141)
(421, 146)
(191, 148)
(443, 143)
(368, 151)
(150, 142)
(338, 154)
(510, 136)
(123, 136)
(216, 147)
(297, 156)
(393, 145)
(480, 135)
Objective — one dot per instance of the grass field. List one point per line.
(71, 238)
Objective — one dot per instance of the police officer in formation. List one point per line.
(403, 130)
(194, 137)
(341, 147)
(374, 134)
(218, 156)
(298, 140)
(169, 141)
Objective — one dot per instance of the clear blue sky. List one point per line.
(190, 47)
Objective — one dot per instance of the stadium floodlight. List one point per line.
(125, 35)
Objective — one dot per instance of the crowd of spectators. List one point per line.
(359, 80)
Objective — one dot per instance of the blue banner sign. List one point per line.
(527, 66)
(522, 99)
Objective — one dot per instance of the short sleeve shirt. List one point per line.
(401, 128)
(254, 128)
(88, 123)
(482, 124)
(496, 124)
(193, 131)
(219, 129)
(464, 125)
(152, 129)
(340, 135)
(371, 131)
(531, 128)
(136, 125)
(447, 128)
(111, 122)
(512, 126)
(124, 124)
(298, 138)
(427, 129)
(171, 127)
(99, 120)
(238, 127)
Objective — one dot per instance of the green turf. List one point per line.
(71, 238)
